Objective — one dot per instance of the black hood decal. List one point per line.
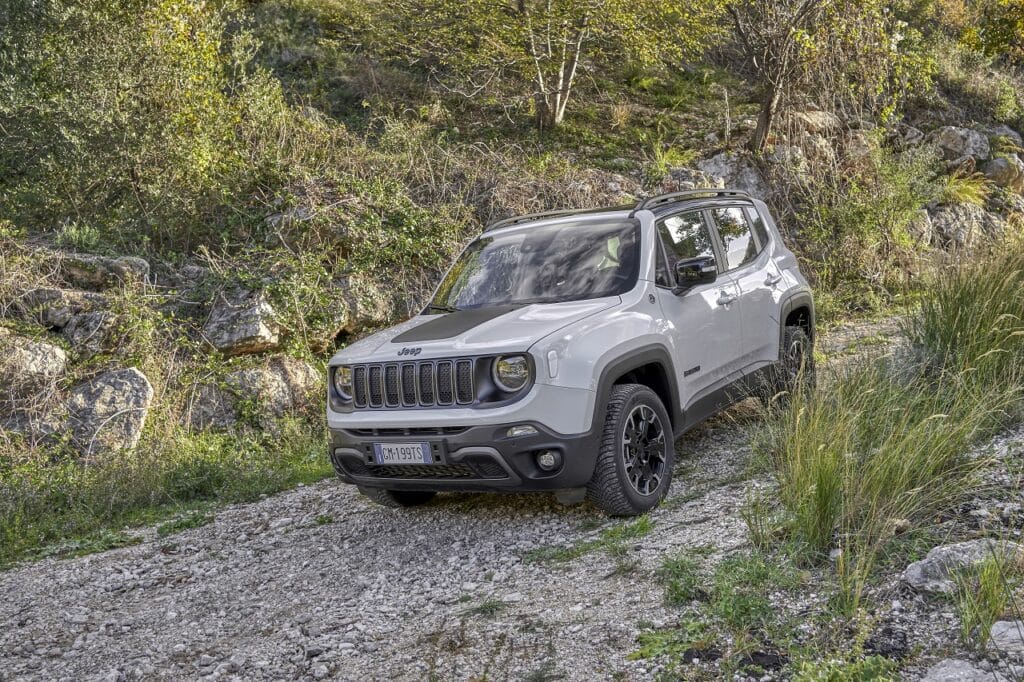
(452, 324)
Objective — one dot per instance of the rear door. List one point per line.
(703, 323)
(747, 255)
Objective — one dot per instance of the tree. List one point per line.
(853, 57)
(539, 47)
(773, 35)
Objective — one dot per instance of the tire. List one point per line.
(795, 369)
(621, 490)
(398, 498)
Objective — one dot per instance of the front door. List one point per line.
(703, 323)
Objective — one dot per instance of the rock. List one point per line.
(54, 308)
(936, 571)
(1007, 636)
(368, 305)
(816, 122)
(1006, 131)
(920, 228)
(681, 178)
(956, 142)
(27, 367)
(108, 412)
(952, 670)
(281, 386)
(960, 226)
(857, 144)
(1006, 171)
(242, 322)
(787, 155)
(90, 333)
(735, 172)
(99, 272)
(906, 136)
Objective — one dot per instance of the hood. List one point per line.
(472, 332)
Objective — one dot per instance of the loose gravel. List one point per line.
(318, 583)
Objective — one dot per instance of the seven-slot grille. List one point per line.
(425, 383)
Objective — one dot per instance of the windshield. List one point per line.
(547, 264)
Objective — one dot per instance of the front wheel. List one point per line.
(795, 370)
(398, 498)
(634, 466)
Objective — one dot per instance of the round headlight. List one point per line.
(343, 382)
(511, 372)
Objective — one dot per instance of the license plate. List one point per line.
(402, 453)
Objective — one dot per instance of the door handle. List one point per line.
(725, 299)
(772, 280)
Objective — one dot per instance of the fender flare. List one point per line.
(645, 355)
(797, 299)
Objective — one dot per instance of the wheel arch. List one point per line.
(798, 311)
(649, 366)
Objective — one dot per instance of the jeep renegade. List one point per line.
(566, 351)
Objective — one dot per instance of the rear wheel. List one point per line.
(398, 498)
(795, 369)
(634, 466)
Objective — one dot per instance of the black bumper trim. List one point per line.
(477, 458)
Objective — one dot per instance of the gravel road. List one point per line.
(317, 583)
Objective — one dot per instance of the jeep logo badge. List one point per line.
(410, 351)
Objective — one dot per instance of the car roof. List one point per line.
(656, 203)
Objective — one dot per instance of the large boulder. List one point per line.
(1007, 636)
(242, 322)
(27, 368)
(961, 226)
(681, 178)
(920, 228)
(54, 308)
(88, 271)
(956, 142)
(91, 333)
(735, 172)
(938, 570)
(953, 670)
(283, 385)
(108, 413)
(1006, 171)
(816, 122)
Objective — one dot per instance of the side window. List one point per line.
(760, 230)
(685, 236)
(661, 277)
(737, 239)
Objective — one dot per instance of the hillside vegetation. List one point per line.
(201, 201)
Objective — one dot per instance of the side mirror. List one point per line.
(693, 271)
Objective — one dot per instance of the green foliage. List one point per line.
(681, 579)
(854, 224)
(970, 189)
(690, 636)
(611, 540)
(194, 519)
(982, 596)
(742, 587)
(865, 669)
(63, 507)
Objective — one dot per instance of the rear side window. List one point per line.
(685, 236)
(760, 230)
(737, 238)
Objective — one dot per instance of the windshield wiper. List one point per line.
(443, 308)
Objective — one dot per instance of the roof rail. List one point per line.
(535, 216)
(687, 194)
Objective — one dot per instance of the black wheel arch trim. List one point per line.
(643, 356)
(798, 299)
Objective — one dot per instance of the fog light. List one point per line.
(549, 460)
(521, 430)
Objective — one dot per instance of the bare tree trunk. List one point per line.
(765, 118)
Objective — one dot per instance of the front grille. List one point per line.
(414, 431)
(474, 470)
(425, 383)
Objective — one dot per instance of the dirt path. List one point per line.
(318, 583)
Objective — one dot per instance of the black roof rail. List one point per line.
(529, 217)
(688, 194)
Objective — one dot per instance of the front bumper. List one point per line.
(473, 458)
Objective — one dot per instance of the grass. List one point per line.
(489, 608)
(971, 189)
(65, 508)
(888, 443)
(611, 540)
(681, 579)
(982, 596)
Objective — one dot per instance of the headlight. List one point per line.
(511, 372)
(343, 382)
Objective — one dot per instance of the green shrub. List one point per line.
(681, 579)
(867, 669)
(982, 596)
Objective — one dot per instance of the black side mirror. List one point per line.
(693, 271)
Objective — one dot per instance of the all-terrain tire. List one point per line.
(398, 498)
(611, 488)
(795, 370)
